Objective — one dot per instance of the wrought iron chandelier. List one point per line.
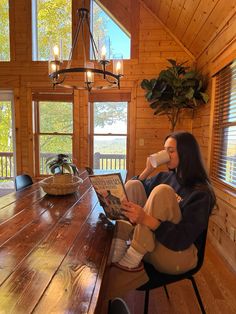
(93, 74)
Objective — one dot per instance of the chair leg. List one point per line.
(109, 307)
(146, 301)
(166, 291)
(197, 295)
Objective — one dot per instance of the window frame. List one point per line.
(36, 99)
(219, 125)
(8, 95)
(109, 97)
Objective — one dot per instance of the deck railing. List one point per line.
(6, 165)
(109, 161)
(101, 161)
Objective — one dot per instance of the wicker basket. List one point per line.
(61, 184)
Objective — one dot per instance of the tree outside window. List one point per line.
(4, 31)
(52, 22)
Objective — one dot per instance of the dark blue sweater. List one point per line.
(195, 206)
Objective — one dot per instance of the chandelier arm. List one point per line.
(83, 44)
(94, 46)
(74, 43)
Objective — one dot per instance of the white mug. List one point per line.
(159, 158)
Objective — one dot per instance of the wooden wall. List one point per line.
(222, 229)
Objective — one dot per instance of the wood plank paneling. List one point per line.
(174, 13)
(199, 18)
(212, 25)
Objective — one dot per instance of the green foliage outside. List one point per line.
(54, 25)
(6, 143)
(4, 31)
(112, 146)
(99, 29)
(108, 113)
(56, 117)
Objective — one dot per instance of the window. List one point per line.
(109, 135)
(224, 126)
(7, 140)
(53, 130)
(107, 32)
(51, 24)
(4, 31)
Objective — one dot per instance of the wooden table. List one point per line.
(53, 251)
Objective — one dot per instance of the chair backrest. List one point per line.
(118, 306)
(201, 245)
(22, 181)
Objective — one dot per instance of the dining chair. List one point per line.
(22, 181)
(158, 279)
(118, 306)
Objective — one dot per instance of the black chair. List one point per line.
(22, 181)
(89, 170)
(118, 306)
(158, 279)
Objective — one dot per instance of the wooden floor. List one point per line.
(216, 283)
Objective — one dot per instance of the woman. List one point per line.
(167, 212)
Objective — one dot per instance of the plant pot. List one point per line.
(63, 178)
(61, 184)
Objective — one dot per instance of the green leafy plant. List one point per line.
(61, 164)
(175, 88)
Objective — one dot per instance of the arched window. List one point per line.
(106, 31)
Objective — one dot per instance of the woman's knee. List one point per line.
(163, 190)
(163, 205)
(136, 192)
(132, 184)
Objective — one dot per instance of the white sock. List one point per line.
(119, 248)
(131, 259)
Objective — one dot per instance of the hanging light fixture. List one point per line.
(95, 69)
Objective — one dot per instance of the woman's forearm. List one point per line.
(146, 172)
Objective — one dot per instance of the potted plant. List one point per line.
(175, 89)
(62, 167)
(65, 179)
(62, 164)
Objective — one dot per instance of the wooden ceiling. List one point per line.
(195, 23)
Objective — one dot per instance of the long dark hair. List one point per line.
(190, 171)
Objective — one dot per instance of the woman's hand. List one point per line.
(147, 171)
(133, 212)
(137, 215)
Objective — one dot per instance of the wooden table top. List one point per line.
(53, 251)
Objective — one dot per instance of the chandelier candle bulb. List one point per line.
(118, 67)
(56, 52)
(103, 53)
(52, 66)
(89, 77)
